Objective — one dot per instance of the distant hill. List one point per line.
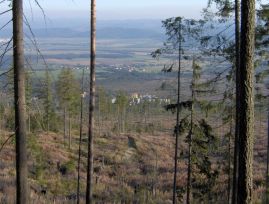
(103, 33)
(122, 29)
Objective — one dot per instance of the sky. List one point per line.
(121, 9)
(75, 13)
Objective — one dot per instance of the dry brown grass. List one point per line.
(119, 169)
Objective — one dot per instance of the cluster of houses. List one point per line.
(129, 68)
(136, 99)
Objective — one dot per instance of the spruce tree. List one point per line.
(177, 31)
(201, 177)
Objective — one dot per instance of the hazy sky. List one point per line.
(123, 9)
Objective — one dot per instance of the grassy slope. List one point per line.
(120, 170)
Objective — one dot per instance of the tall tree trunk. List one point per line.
(155, 179)
(99, 117)
(69, 132)
(80, 137)
(1, 118)
(189, 158)
(246, 127)
(267, 162)
(123, 119)
(177, 123)
(20, 105)
(92, 104)
(119, 121)
(29, 121)
(47, 121)
(230, 158)
(64, 124)
(47, 102)
(190, 135)
(237, 120)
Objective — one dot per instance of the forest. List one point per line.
(141, 116)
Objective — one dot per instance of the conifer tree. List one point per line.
(262, 74)
(68, 95)
(103, 107)
(195, 76)
(121, 102)
(225, 9)
(48, 101)
(28, 97)
(177, 31)
(80, 136)
(20, 104)
(89, 190)
(201, 177)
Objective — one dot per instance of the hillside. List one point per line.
(127, 167)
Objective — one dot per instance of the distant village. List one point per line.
(119, 67)
(136, 99)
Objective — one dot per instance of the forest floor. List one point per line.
(128, 168)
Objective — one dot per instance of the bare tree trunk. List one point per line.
(246, 127)
(1, 130)
(229, 159)
(190, 137)
(20, 105)
(119, 121)
(267, 162)
(92, 104)
(69, 132)
(237, 120)
(155, 179)
(80, 137)
(189, 162)
(48, 101)
(29, 121)
(177, 123)
(64, 124)
(123, 120)
(99, 117)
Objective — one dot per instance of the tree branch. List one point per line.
(6, 141)
(5, 11)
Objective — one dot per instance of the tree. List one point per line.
(204, 178)
(121, 102)
(195, 76)
(48, 102)
(80, 136)
(177, 31)
(68, 95)
(28, 97)
(228, 116)
(246, 126)
(103, 107)
(262, 52)
(179, 39)
(91, 105)
(224, 9)
(267, 162)
(201, 177)
(237, 119)
(20, 104)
